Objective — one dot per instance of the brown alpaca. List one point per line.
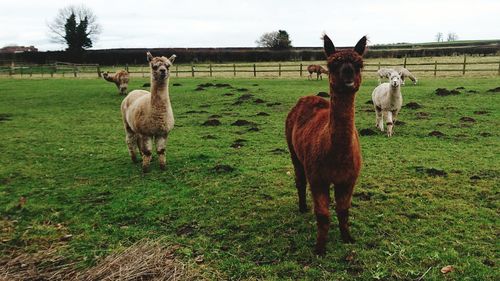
(323, 142)
(148, 116)
(318, 69)
(120, 79)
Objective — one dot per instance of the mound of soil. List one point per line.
(241, 122)
(222, 85)
(369, 102)
(485, 134)
(212, 122)
(186, 230)
(422, 115)
(436, 134)
(177, 84)
(238, 143)
(412, 105)
(399, 123)
(255, 84)
(367, 132)
(242, 90)
(472, 91)
(196, 111)
(279, 151)
(273, 104)
(199, 89)
(209, 137)
(253, 129)
(363, 196)
(460, 88)
(467, 119)
(242, 99)
(369, 110)
(146, 85)
(221, 168)
(481, 112)
(5, 117)
(445, 92)
(259, 101)
(262, 114)
(475, 177)
(214, 116)
(431, 171)
(494, 90)
(323, 94)
(206, 85)
(228, 94)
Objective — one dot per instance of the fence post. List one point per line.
(176, 70)
(435, 67)
(499, 68)
(41, 69)
(254, 71)
(279, 69)
(99, 71)
(142, 71)
(465, 59)
(52, 70)
(210, 67)
(234, 69)
(300, 70)
(192, 70)
(126, 67)
(31, 71)
(74, 70)
(378, 65)
(404, 64)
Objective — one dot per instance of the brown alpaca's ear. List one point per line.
(172, 58)
(328, 45)
(149, 56)
(361, 46)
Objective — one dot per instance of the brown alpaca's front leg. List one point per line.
(343, 196)
(160, 149)
(321, 197)
(146, 148)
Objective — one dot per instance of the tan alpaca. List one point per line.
(120, 79)
(148, 116)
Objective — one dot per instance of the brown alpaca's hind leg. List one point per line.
(300, 181)
(343, 196)
(321, 196)
(131, 139)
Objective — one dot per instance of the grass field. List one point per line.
(421, 203)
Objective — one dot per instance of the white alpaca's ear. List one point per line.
(328, 45)
(172, 58)
(149, 56)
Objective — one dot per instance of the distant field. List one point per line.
(422, 202)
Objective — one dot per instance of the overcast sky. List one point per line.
(233, 23)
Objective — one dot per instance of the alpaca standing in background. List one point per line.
(387, 100)
(406, 73)
(148, 115)
(121, 79)
(384, 73)
(323, 142)
(318, 69)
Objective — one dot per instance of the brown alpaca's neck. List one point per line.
(341, 121)
(160, 100)
(109, 78)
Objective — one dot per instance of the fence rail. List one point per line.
(63, 69)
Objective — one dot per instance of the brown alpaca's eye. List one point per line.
(155, 67)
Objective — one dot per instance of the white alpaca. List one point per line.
(387, 100)
(384, 73)
(148, 115)
(406, 73)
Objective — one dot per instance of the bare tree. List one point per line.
(452, 36)
(275, 40)
(439, 37)
(81, 14)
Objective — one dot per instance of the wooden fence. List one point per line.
(247, 70)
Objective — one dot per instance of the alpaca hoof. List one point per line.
(320, 250)
(134, 159)
(303, 209)
(347, 238)
(145, 169)
(163, 166)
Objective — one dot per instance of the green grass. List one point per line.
(63, 149)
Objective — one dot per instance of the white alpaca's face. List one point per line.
(395, 79)
(160, 67)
